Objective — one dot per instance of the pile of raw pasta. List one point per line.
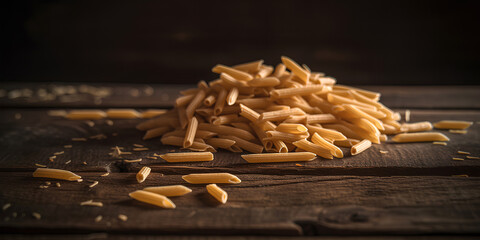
(287, 108)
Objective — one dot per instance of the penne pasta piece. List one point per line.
(334, 150)
(264, 71)
(209, 101)
(123, 113)
(226, 130)
(383, 138)
(452, 124)
(56, 174)
(326, 133)
(194, 104)
(178, 141)
(287, 137)
(296, 69)
(220, 143)
(243, 126)
(182, 117)
(245, 145)
(230, 82)
(420, 137)
(221, 100)
(357, 113)
(248, 113)
(150, 113)
(143, 174)
(264, 82)
(156, 132)
(86, 115)
(279, 70)
(237, 74)
(346, 143)
(202, 178)
(250, 67)
(188, 157)
(169, 191)
(255, 103)
(280, 146)
(279, 157)
(190, 133)
(339, 100)
(416, 127)
(223, 119)
(280, 115)
(152, 198)
(232, 96)
(217, 193)
(299, 91)
(184, 100)
(312, 147)
(321, 118)
(369, 94)
(360, 147)
(293, 128)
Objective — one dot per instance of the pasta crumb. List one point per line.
(68, 162)
(6, 206)
(132, 161)
(122, 217)
(463, 152)
(440, 143)
(36, 215)
(58, 184)
(458, 131)
(95, 183)
(109, 122)
(458, 159)
(68, 146)
(138, 145)
(84, 163)
(91, 203)
(58, 153)
(140, 149)
(383, 152)
(105, 174)
(460, 175)
(40, 165)
(98, 218)
(472, 157)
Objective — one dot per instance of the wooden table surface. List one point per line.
(412, 191)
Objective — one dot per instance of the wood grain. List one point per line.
(261, 204)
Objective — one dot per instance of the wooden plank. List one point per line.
(137, 95)
(261, 204)
(36, 137)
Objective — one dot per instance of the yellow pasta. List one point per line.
(187, 157)
(86, 115)
(150, 113)
(226, 130)
(195, 103)
(296, 69)
(326, 133)
(169, 191)
(280, 115)
(279, 70)
(203, 178)
(220, 143)
(293, 128)
(357, 113)
(221, 100)
(256, 103)
(56, 174)
(312, 147)
(123, 113)
(264, 82)
(209, 101)
(416, 127)
(178, 141)
(321, 118)
(232, 96)
(217, 193)
(143, 174)
(152, 198)
(264, 71)
(246, 145)
(334, 150)
(360, 147)
(299, 91)
(191, 131)
(452, 124)
(279, 157)
(248, 113)
(237, 74)
(287, 137)
(420, 137)
(346, 142)
(250, 66)
(184, 100)
(335, 99)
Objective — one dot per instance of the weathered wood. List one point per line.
(35, 137)
(123, 95)
(261, 204)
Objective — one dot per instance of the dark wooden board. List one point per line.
(36, 136)
(261, 204)
(122, 95)
(157, 237)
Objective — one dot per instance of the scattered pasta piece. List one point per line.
(56, 173)
(463, 152)
(472, 157)
(360, 147)
(451, 124)
(420, 137)
(407, 115)
(105, 174)
(122, 217)
(138, 145)
(140, 149)
(132, 160)
(202, 178)
(86, 115)
(460, 175)
(98, 218)
(217, 193)
(36, 215)
(440, 143)
(79, 139)
(58, 184)
(458, 131)
(458, 159)
(383, 152)
(6, 206)
(152, 198)
(68, 146)
(187, 157)
(122, 113)
(40, 165)
(143, 174)
(95, 183)
(169, 191)
(91, 203)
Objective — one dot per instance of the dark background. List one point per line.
(358, 42)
